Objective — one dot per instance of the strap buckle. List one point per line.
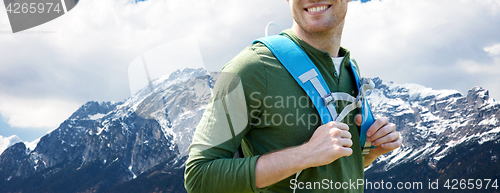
(328, 99)
(365, 150)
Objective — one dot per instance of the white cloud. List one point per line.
(493, 50)
(84, 55)
(424, 41)
(40, 113)
(473, 67)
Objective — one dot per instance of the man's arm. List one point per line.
(328, 143)
(211, 166)
(383, 135)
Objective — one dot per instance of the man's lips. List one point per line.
(317, 9)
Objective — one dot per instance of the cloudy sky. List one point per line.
(47, 72)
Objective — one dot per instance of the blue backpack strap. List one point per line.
(366, 113)
(308, 77)
(306, 74)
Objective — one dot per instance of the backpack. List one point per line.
(308, 77)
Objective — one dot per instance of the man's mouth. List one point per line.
(317, 8)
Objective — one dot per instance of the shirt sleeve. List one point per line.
(211, 166)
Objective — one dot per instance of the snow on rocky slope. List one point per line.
(433, 122)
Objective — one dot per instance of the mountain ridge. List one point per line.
(117, 146)
(131, 136)
(6, 142)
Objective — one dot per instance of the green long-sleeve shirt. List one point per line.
(258, 104)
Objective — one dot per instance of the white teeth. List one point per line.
(316, 9)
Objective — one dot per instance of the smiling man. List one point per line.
(257, 104)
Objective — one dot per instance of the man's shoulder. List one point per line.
(253, 65)
(253, 58)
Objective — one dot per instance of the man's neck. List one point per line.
(327, 41)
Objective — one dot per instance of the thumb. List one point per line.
(359, 119)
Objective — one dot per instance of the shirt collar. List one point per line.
(343, 52)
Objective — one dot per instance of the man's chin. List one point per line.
(319, 28)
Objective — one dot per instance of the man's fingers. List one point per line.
(375, 126)
(346, 142)
(386, 129)
(339, 125)
(393, 145)
(387, 138)
(359, 119)
(345, 134)
(342, 126)
(345, 152)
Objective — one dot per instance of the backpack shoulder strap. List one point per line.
(366, 112)
(306, 74)
(308, 77)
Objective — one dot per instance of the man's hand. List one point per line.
(328, 143)
(383, 135)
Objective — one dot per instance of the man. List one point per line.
(258, 104)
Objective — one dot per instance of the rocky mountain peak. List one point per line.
(6, 142)
(478, 96)
(132, 136)
(433, 123)
(186, 72)
(94, 109)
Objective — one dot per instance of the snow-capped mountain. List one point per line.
(6, 142)
(125, 139)
(439, 129)
(140, 144)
